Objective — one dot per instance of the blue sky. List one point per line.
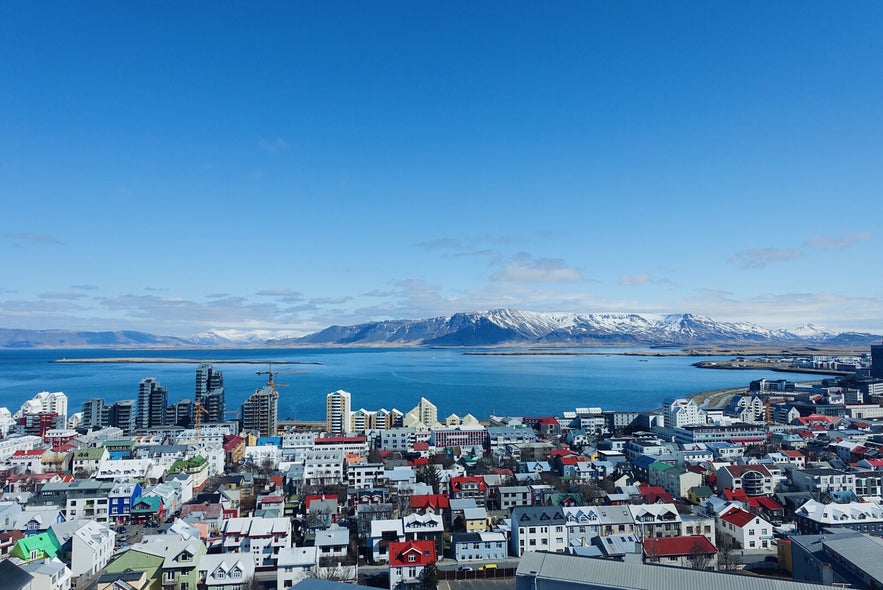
(174, 167)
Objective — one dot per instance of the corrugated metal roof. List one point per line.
(554, 570)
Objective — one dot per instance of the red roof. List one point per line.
(458, 482)
(421, 446)
(411, 553)
(570, 460)
(653, 494)
(319, 498)
(231, 441)
(419, 461)
(735, 495)
(769, 503)
(29, 453)
(737, 517)
(434, 501)
(675, 546)
(790, 453)
(561, 452)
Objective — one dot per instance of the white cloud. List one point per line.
(759, 257)
(524, 269)
(836, 243)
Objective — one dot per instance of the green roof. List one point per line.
(153, 504)
(119, 443)
(90, 453)
(46, 544)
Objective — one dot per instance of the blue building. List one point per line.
(120, 501)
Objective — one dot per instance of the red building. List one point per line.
(407, 561)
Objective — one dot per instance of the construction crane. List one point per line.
(271, 376)
(199, 410)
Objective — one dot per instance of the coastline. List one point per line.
(135, 360)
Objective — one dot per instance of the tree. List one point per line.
(699, 558)
(726, 552)
(429, 475)
(430, 577)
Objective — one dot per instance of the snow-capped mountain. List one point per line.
(499, 327)
(512, 327)
(236, 337)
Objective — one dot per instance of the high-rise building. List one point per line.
(877, 361)
(152, 401)
(120, 414)
(260, 412)
(180, 413)
(210, 392)
(337, 411)
(93, 413)
(45, 403)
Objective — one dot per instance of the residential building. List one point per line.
(748, 530)
(407, 561)
(680, 412)
(695, 552)
(537, 528)
(656, 520)
(862, 517)
(262, 537)
(227, 571)
(152, 402)
(487, 546)
(338, 406)
(260, 412)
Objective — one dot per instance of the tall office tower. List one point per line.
(337, 411)
(877, 361)
(152, 401)
(121, 414)
(93, 413)
(260, 411)
(210, 392)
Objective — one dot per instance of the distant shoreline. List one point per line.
(124, 360)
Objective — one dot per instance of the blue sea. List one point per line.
(382, 378)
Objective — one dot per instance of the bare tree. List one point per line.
(726, 552)
(700, 558)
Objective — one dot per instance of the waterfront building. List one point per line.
(93, 413)
(680, 412)
(337, 411)
(260, 412)
(152, 401)
(422, 416)
(45, 403)
(210, 392)
(877, 361)
(180, 413)
(121, 415)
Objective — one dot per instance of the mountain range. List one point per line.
(501, 327)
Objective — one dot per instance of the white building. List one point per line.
(294, 564)
(225, 571)
(537, 528)
(92, 545)
(748, 530)
(262, 537)
(49, 574)
(680, 412)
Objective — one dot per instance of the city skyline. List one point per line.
(283, 168)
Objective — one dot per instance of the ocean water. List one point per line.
(382, 378)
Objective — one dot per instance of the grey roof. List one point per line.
(558, 571)
(532, 515)
(13, 576)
